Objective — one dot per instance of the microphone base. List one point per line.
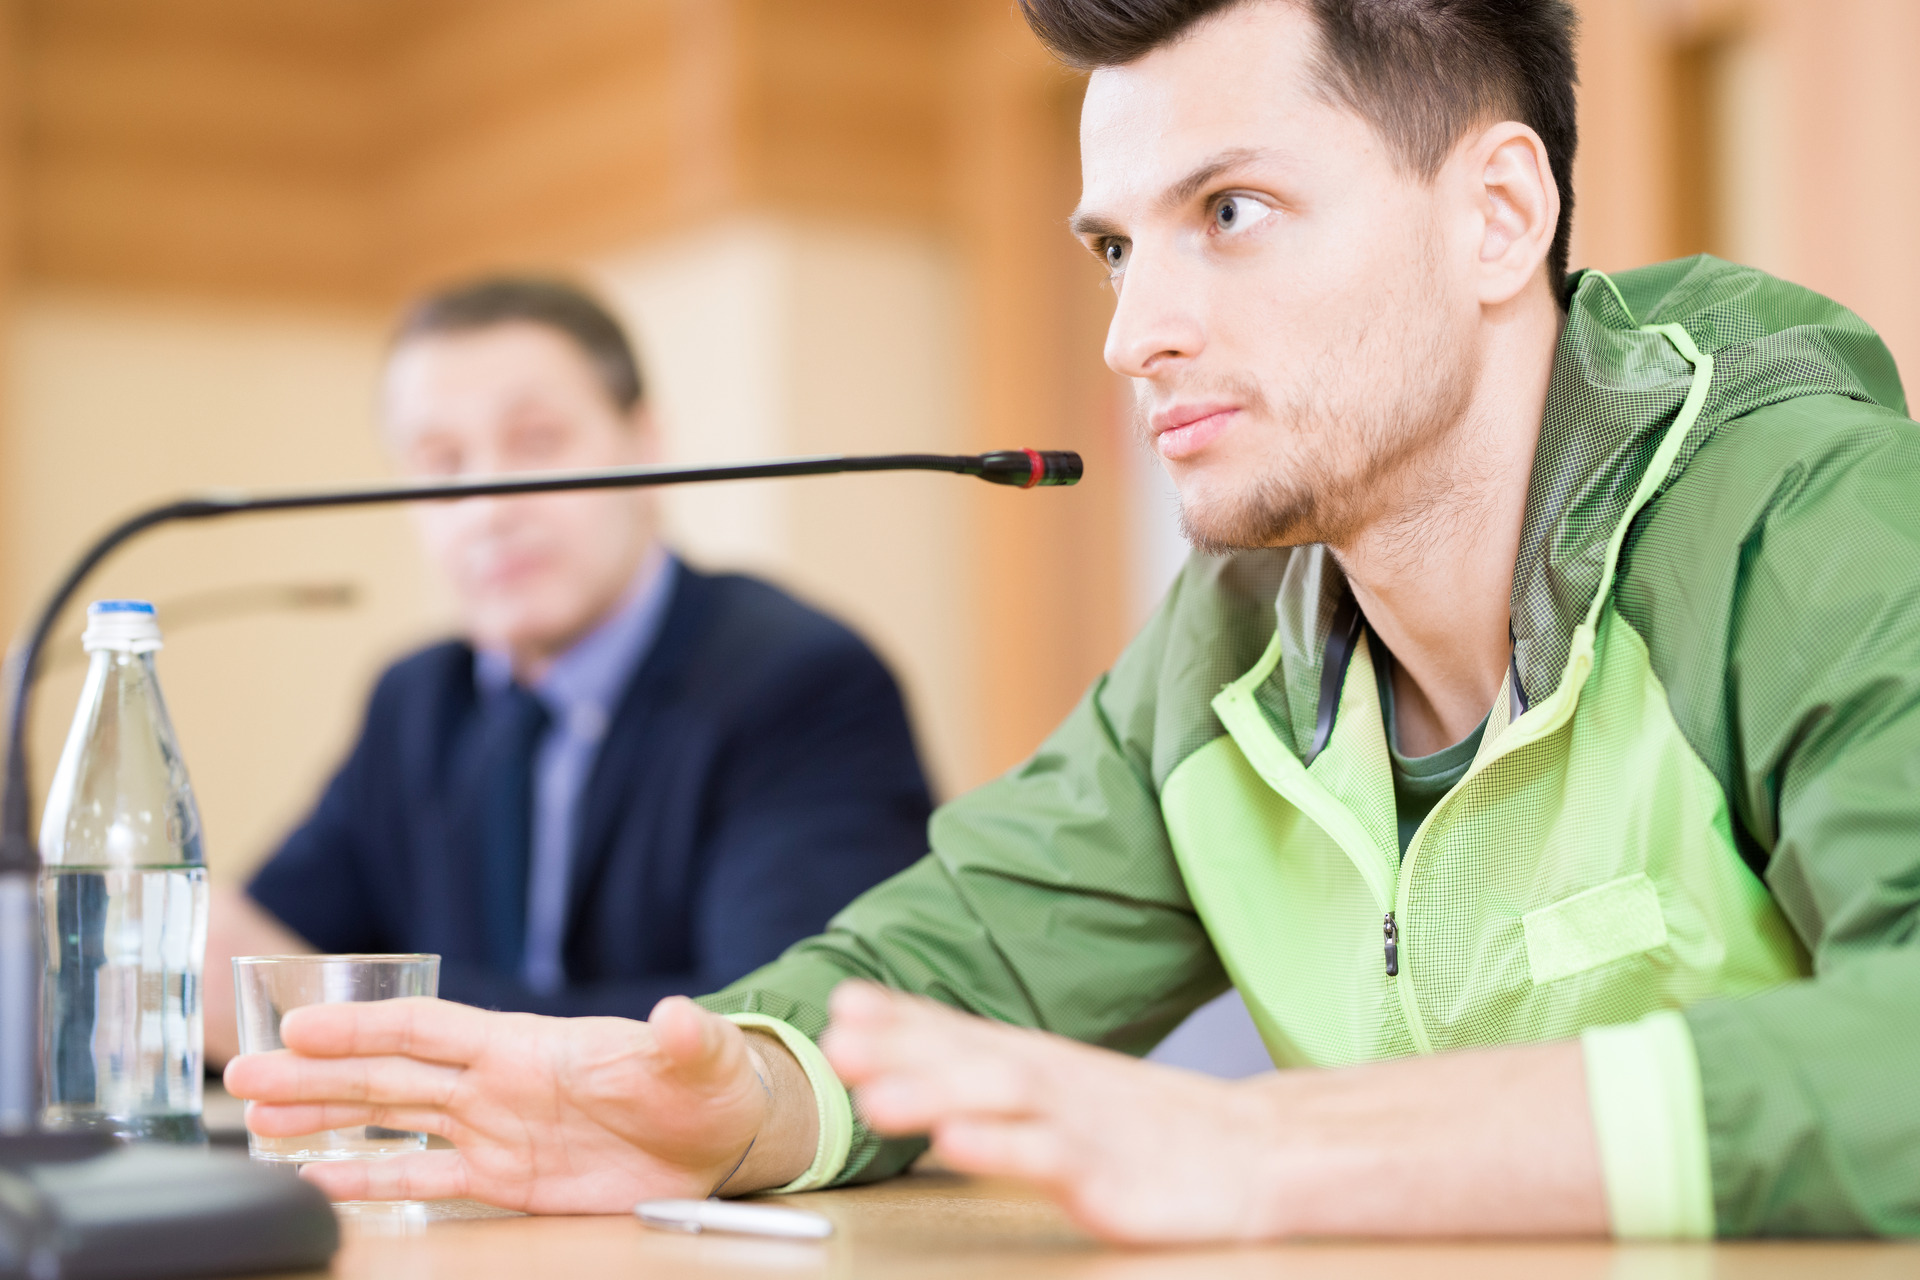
(81, 1206)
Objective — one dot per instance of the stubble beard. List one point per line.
(1391, 467)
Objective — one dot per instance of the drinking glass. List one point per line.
(267, 987)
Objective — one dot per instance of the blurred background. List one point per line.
(832, 225)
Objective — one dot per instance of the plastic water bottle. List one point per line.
(124, 901)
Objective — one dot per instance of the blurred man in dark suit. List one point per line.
(630, 779)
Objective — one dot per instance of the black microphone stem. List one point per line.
(20, 961)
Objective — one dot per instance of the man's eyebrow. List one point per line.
(1201, 175)
(1087, 223)
(1083, 223)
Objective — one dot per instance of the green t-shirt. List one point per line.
(1420, 781)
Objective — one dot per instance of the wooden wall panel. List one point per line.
(199, 103)
(1850, 109)
(345, 149)
(845, 108)
(1622, 173)
(588, 165)
(341, 29)
(1841, 133)
(354, 150)
(474, 65)
(11, 183)
(159, 227)
(1049, 599)
(203, 146)
(527, 132)
(10, 198)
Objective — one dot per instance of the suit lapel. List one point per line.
(611, 782)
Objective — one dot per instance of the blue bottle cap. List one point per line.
(128, 626)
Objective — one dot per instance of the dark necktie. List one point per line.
(514, 722)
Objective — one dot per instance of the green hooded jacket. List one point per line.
(1773, 582)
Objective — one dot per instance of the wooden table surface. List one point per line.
(933, 1225)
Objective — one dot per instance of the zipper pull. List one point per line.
(1392, 932)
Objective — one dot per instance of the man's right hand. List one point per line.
(546, 1115)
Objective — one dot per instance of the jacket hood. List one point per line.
(1614, 391)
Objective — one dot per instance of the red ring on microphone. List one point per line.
(1037, 468)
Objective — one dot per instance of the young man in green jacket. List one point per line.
(1533, 740)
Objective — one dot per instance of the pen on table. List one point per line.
(696, 1216)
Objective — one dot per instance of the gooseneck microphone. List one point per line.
(20, 960)
(70, 1203)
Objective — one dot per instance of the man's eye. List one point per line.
(1115, 253)
(1237, 213)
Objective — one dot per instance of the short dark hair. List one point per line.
(558, 304)
(1421, 72)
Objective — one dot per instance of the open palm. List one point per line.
(547, 1115)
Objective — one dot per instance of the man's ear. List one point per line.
(1511, 183)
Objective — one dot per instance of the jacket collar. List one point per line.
(1613, 391)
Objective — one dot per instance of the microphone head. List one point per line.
(1029, 468)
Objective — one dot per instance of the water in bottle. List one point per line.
(124, 901)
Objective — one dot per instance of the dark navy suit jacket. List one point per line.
(758, 774)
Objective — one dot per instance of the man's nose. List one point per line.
(1156, 320)
(480, 517)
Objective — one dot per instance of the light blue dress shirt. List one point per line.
(581, 692)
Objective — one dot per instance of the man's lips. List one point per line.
(506, 569)
(1181, 430)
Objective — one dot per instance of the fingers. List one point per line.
(694, 1043)
(416, 1027)
(289, 1077)
(680, 1028)
(876, 1030)
(1013, 1149)
(425, 1175)
(914, 1064)
(287, 1120)
(916, 1099)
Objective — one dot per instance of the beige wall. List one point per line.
(338, 153)
(770, 337)
(115, 403)
(763, 337)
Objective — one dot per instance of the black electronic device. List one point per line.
(92, 1209)
(75, 1207)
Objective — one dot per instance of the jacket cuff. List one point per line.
(1643, 1090)
(830, 1099)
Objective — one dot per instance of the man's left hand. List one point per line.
(1489, 1141)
